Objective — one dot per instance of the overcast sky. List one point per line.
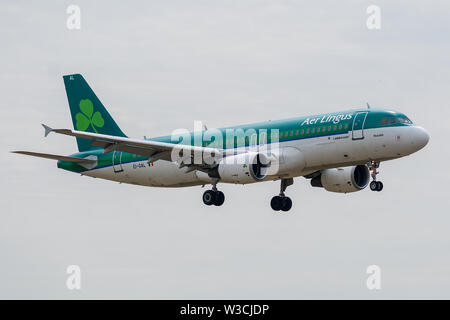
(160, 65)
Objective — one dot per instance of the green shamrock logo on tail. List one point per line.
(87, 117)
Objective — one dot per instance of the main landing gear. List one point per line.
(214, 196)
(281, 202)
(375, 185)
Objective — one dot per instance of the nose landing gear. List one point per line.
(375, 185)
(281, 202)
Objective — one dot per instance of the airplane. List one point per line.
(339, 152)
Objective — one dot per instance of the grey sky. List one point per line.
(160, 65)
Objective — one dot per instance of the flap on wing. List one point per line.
(57, 157)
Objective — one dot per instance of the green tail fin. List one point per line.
(88, 113)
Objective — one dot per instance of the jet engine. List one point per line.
(244, 168)
(343, 180)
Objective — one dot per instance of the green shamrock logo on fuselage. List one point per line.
(87, 117)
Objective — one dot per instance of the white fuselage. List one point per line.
(310, 155)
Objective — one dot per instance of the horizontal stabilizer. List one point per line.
(57, 157)
(47, 130)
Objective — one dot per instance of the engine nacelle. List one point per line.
(244, 168)
(343, 180)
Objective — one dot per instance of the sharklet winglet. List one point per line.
(47, 129)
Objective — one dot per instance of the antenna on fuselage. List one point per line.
(368, 105)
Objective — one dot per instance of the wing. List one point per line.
(155, 150)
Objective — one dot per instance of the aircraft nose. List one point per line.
(421, 137)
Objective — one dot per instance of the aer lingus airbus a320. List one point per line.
(339, 151)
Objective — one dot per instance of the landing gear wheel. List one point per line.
(286, 204)
(275, 203)
(209, 197)
(379, 185)
(374, 186)
(281, 203)
(219, 198)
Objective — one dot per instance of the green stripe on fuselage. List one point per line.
(328, 120)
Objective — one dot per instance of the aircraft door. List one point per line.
(117, 161)
(358, 126)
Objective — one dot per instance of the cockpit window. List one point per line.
(394, 120)
(404, 120)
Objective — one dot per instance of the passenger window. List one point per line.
(307, 131)
(296, 133)
(346, 126)
(302, 132)
(340, 127)
(334, 128)
(292, 133)
(313, 130)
